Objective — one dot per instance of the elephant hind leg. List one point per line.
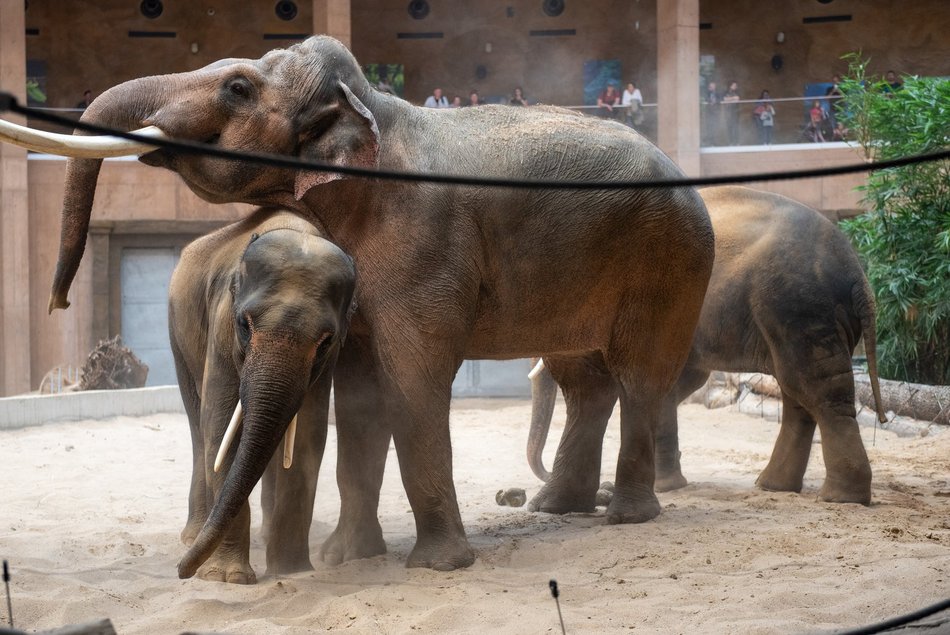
(824, 386)
(590, 393)
(669, 472)
(786, 468)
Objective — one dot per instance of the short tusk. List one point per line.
(229, 435)
(289, 443)
(537, 369)
(78, 146)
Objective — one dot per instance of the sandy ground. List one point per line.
(92, 512)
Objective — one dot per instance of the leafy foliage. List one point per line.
(34, 91)
(904, 239)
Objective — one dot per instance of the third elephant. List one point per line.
(787, 297)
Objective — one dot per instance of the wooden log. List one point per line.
(918, 401)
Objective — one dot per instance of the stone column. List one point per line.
(332, 17)
(678, 82)
(14, 215)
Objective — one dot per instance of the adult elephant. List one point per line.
(257, 313)
(787, 297)
(447, 272)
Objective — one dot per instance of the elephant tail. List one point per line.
(863, 299)
(543, 397)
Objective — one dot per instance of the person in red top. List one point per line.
(816, 120)
(608, 99)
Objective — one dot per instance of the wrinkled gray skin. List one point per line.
(257, 310)
(787, 297)
(446, 272)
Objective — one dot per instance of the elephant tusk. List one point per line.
(76, 146)
(537, 369)
(229, 435)
(289, 443)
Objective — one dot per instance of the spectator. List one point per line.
(816, 119)
(518, 99)
(473, 99)
(764, 114)
(730, 101)
(86, 100)
(436, 99)
(834, 96)
(893, 83)
(712, 115)
(840, 132)
(456, 102)
(632, 100)
(608, 99)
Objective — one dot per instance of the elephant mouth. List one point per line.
(235, 425)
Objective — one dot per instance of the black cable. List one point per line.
(555, 593)
(894, 622)
(8, 102)
(6, 582)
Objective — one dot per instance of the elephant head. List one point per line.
(305, 101)
(291, 303)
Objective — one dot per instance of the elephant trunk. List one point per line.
(543, 396)
(124, 107)
(274, 380)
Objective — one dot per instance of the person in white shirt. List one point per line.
(436, 100)
(632, 101)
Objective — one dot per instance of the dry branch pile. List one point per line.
(111, 365)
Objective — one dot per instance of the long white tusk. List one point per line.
(537, 369)
(289, 443)
(77, 146)
(229, 435)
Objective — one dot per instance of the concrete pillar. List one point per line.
(678, 82)
(332, 17)
(14, 215)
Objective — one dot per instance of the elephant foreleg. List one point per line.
(230, 562)
(362, 445)
(289, 510)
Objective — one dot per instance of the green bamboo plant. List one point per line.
(904, 238)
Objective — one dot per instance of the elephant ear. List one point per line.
(344, 134)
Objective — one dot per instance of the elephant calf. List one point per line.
(787, 297)
(257, 313)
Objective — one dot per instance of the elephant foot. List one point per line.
(774, 480)
(349, 544)
(288, 562)
(441, 554)
(232, 572)
(846, 491)
(669, 474)
(555, 499)
(628, 508)
(669, 482)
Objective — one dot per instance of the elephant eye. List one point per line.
(244, 328)
(240, 87)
